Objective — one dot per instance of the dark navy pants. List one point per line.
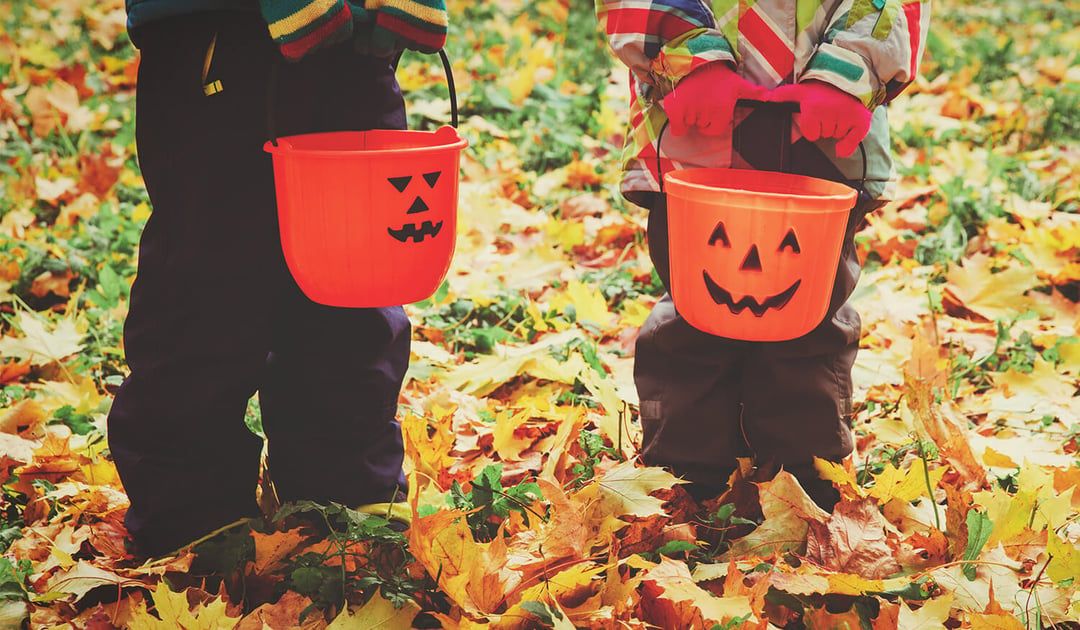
(215, 315)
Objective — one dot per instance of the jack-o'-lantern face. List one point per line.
(767, 272)
(417, 231)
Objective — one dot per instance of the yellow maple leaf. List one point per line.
(587, 300)
(932, 615)
(174, 611)
(842, 475)
(1042, 383)
(1070, 358)
(1065, 562)
(377, 614)
(904, 485)
(40, 345)
(988, 293)
(626, 488)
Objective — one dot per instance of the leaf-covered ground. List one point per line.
(529, 508)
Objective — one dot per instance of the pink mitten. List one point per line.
(827, 112)
(706, 97)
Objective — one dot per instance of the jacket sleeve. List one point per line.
(662, 41)
(871, 48)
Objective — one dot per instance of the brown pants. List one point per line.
(707, 400)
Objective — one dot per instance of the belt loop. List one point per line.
(209, 89)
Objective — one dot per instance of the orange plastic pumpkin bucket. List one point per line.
(754, 253)
(368, 218)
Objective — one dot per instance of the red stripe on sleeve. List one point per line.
(641, 21)
(913, 12)
(420, 36)
(299, 48)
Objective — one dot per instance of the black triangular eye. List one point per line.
(431, 178)
(401, 183)
(719, 234)
(790, 241)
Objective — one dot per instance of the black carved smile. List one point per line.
(723, 297)
(417, 234)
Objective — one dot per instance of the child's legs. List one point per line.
(329, 402)
(198, 327)
(797, 402)
(689, 385)
(330, 395)
(213, 292)
(798, 393)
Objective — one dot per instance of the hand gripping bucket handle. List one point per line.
(368, 218)
(754, 253)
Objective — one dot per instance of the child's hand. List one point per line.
(706, 97)
(416, 25)
(827, 112)
(301, 26)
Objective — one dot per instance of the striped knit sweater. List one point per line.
(422, 22)
(299, 26)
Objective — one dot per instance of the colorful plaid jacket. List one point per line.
(868, 48)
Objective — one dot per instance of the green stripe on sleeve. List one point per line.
(840, 67)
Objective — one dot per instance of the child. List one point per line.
(215, 314)
(707, 400)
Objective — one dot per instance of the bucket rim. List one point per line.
(843, 192)
(454, 141)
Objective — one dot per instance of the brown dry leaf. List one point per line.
(852, 540)
(82, 207)
(787, 510)
(83, 577)
(285, 613)
(51, 282)
(671, 599)
(822, 619)
(888, 615)
(946, 433)
(271, 549)
(55, 106)
(15, 370)
(52, 461)
(799, 582)
(24, 417)
(99, 171)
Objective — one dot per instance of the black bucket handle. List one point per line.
(787, 109)
(271, 126)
